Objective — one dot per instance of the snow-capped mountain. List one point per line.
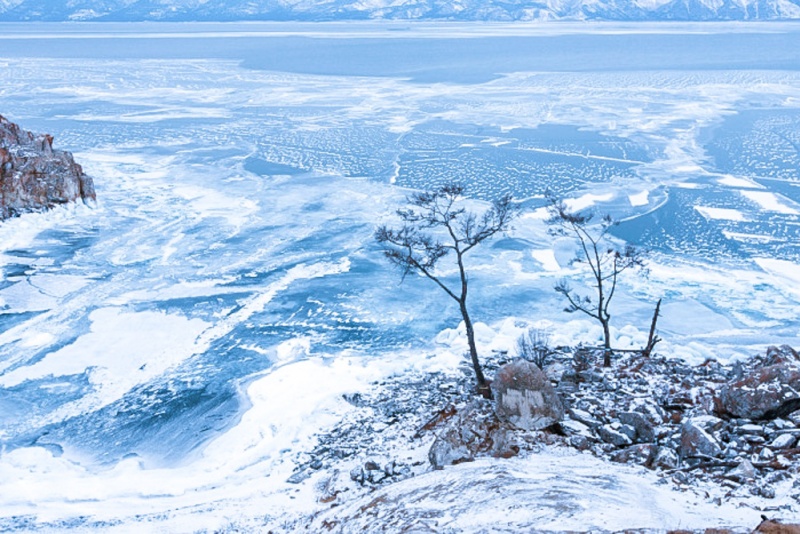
(320, 10)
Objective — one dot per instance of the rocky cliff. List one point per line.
(33, 176)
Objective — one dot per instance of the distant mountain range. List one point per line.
(461, 10)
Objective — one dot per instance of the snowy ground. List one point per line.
(165, 356)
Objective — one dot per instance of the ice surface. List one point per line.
(166, 354)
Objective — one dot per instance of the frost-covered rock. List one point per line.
(767, 392)
(525, 398)
(644, 430)
(472, 431)
(34, 176)
(697, 442)
(783, 441)
(610, 435)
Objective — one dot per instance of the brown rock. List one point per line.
(525, 398)
(696, 442)
(764, 393)
(33, 176)
(471, 432)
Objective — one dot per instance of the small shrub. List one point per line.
(534, 346)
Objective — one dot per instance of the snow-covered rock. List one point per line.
(695, 441)
(767, 392)
(525, 398)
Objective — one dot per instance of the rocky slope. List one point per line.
(464, 10)
(726, 434)
(34, 176)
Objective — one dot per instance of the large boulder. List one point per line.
(525, 398)
(765, 392)
(34, 176)
(472, 431)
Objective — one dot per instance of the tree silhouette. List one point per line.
(605, 260)
(435, 225)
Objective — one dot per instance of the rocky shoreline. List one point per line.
(34, 176)
(727, 434)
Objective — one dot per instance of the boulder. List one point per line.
(763, 393)
(696, 442)
(771, 526)
(472, 431)
(525, 398)
(34, 176)
(644, 430)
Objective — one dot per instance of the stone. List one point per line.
(783, 441)
(525, 398)
(642, 454)
(614, 437)
(584, 417)
(743, 472)
(644, 430)
(470, 432)
(696, 442)
(665, 458)
(782, 354)
(763, 393)
(34, 176)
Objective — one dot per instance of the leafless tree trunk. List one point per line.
(605, 261)
(414, 247)
(652, 339)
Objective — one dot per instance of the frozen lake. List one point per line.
(241, 171)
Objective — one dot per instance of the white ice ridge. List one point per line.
(771, 202)
(586, 201)
(725, 214)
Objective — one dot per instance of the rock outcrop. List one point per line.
(34, 176)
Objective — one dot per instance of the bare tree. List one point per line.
(605, 259)
(534, 345)
(436, 225)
